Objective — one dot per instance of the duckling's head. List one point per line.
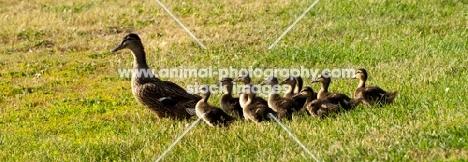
(361, 74)
(204, 91)
(307, 91)
(291, 80)
(244, 78)
(130, 41)
(271, 80)
(323, 78)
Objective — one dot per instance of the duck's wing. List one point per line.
(229, 104)
(286, 104)
(261, 100)
(299, 102)
(329, 107)
(218, 117)
(176, 92)
(374, 90)
(155, 94)
(373, 93)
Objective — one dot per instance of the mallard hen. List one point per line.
(371, 95)
(165, 98)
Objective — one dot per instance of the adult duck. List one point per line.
(165, 98)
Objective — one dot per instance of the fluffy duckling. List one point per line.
(283, 106)
(336, 98)
(245, 78)
(295, 87)
(212, 115)
(322, 108)
(317, 107)
(255, 111)
(371, 95)
(165, 98)
(228, 103)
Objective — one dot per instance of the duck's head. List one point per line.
(130, 41)
(289, 81)
(271, 80)
(323, 78)
(306, 91)
(244, 78)
(225, 81)
(204, 90)
(361, 74)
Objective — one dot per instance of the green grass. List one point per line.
(61, 98)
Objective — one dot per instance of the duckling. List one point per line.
(295, 86)
(322, 108)
(306, 97)
(283, 106)
(336, 98)
(371, 95)
(213, 116)
(245, 78)
(228, 103)
(317, 107)
(165, 98)
(255, 111)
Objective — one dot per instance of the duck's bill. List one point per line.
(297, 95)
(118, 48)
(315, 81)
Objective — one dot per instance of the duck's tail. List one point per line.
(227, 119)
(355, 102)
(389, 96)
